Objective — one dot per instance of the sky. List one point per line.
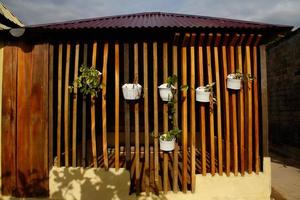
(46, 11)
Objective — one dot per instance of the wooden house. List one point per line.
(44, 125)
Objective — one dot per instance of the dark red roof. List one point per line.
(158, 20)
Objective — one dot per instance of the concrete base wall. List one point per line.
(92, 184)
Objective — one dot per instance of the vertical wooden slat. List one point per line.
(211, 112)
(59, 99)
(93, 110)
(226, 103)
(202, 106)
(184, 111)
(9, 121)
(74, 123)
(117, 110)
(218, 95)
(165, 116)
(241, 112)
(233, 106)
(248, 88)
(24, 138)
(50, 108)
(146, 117)
(126, 107)
(85, 51)
(66, 105)
(264, 100)
(136, 121)
(104, 121)
(155, 110)
(174, 70)
(256, 104)
(192, 112)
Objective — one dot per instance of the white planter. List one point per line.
(233, 83)
(165, 92)
(167, 145)
(202, 95)
(132, 91)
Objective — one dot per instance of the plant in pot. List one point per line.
(167, 139)
(88, 82)
(132, 91)
(234, 80)
(167, 89)
(204, 93)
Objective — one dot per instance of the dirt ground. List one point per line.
(285, 172)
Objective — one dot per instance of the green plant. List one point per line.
(236, 75)
(175, 131)
(88, 82)
(209, 87)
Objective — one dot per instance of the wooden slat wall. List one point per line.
(206, 60)
(211, 111)
(165, 117)
(184, 116)
(9, 120)
(192, 112)
(175, 72)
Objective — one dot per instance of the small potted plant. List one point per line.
(88, 82)
(132, 91)
(166, 90)
(167, 139)
(203, 93)
(234, 81)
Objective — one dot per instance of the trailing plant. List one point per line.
(88, 82)
(236, 75)
(175, 131)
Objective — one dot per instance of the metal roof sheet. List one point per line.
(158, 20)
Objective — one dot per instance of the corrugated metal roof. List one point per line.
(157, 20)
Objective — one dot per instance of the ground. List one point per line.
(285, 172)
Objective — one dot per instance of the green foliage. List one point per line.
(209, 87)
(175, 131)
(88, 82)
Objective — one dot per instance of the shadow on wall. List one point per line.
(92, 184)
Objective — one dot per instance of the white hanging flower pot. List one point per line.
(202, 95)
(166, 145)
(132, 91)
(234, 82)
(165, 92)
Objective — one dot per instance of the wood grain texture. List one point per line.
(211, 113)
(202, 106)
(9, 120)
(155, 110)
(241, 109)
(184, 111)
(126, 107)
(218, 96)
(175, 72)
(51, 108)
(59, 103)
(74, 115)
(93, 111)
(117, 106)
(233, 106)
(136, 121)
(146, 117)
(104, 119)
(226, 102)
(67, 105)
(256, 104)
(248, 88)
(85, 54)
(165, 117)
(192, 112)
